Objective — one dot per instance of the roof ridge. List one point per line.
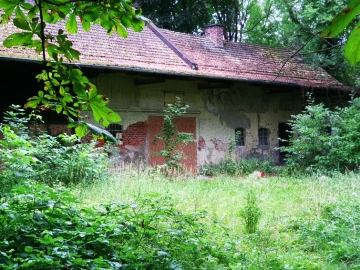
(187, 59)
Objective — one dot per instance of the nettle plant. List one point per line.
(66, 90)
(174, 141)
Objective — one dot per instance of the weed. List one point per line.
(173, 139)
(251, 212)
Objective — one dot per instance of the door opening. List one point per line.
(284, 136)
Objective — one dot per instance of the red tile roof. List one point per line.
(146, 52)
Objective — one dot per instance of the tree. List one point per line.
(184, 15)
(240, 17)
(66, 90)
(297, 24)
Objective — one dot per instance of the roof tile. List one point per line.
(145, 52)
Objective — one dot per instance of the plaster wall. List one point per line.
(218, 112)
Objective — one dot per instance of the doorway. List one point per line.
(284, 136)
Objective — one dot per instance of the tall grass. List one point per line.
(280, 199)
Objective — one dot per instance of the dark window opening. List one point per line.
(116, 130)
(240, 136)
(263, 136)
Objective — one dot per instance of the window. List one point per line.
(116, 130)
(263, 136)
(173, 97)
(240, 136)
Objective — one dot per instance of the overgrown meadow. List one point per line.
(62, 207)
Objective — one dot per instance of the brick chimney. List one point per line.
(215, 32)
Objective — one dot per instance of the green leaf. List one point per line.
(59, 108)
(52, 50)
(32, 103)
(86, 25)
(80, 130)
(22, 24)
(138, 25)
(18, 39)
(79, 89)
(25, 5)
(352, 47)
(103, 113)
(4, 4)
(342, 20)
(121, 31)
(19, 14)
(68, 98)
(71, 24)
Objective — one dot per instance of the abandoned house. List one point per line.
(230, 88)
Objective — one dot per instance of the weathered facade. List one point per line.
(231, 88)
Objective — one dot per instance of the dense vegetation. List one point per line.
(60, 209)
(78, 216)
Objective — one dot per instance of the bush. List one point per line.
(43, 227)
(334, 234)
(240, 167)
(43, 157)
(325, 141)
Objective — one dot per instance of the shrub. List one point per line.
(44, 227)
(334, 234)
(325, 141)
(43, 157)
(240, 167)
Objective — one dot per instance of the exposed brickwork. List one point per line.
(201, 143)
(182, 124)
(135, 134)
(215, 33)
(133, 147)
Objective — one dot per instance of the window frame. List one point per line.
(240, 138)
(263, 136)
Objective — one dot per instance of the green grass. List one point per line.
(295, 231)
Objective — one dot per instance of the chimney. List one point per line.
(215, 32)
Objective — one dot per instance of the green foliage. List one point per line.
(333, 234)
(27, 153)
(174, 141)
(251, 213)
(240, 167)
(340, 23)
(43, 227)
(66, 90)
(183, 16)
(323, 140)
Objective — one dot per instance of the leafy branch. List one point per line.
(66, 90)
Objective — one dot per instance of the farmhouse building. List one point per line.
(230, 88)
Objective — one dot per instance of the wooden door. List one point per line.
(182, 124)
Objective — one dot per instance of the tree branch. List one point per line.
(292, 55)
(42, 31)
(323, 50)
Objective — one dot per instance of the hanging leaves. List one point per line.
(66, 90)
(339, 24)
